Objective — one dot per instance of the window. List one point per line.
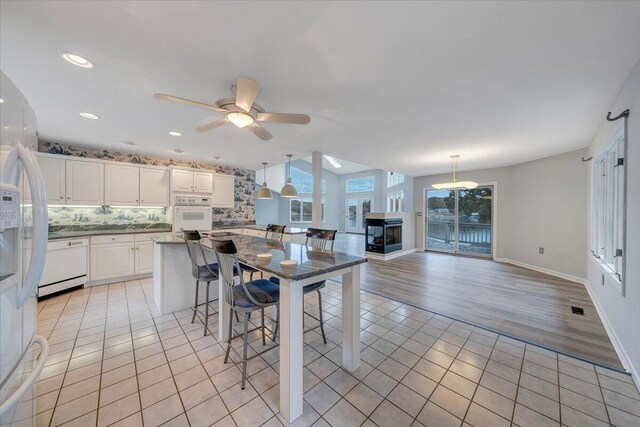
(395, 201)
(359, 185)
(609, 205)
(303, 181)
(300, 210)
(394, 178)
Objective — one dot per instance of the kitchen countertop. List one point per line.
(87, 231)
(311, 262)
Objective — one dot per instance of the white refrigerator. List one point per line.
(23, 353)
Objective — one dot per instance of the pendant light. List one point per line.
(264, 192)
(289, 190)
(455, 183)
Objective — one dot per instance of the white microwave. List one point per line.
(191, 218)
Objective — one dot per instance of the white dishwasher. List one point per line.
(65, 267)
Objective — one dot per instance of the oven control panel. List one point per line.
(191, 201)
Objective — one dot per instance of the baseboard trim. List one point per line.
(554, 273)
(392, 255)
(117, 280)
(617, 346)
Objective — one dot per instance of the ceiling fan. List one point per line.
(242, 111)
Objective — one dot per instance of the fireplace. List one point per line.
(383, 235)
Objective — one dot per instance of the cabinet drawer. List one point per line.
(113, 238)
(146, 237)
(64, 244)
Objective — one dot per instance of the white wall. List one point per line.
(621, 313)
(538, 204)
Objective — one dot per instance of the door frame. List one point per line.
(494, 219)
(360, 197)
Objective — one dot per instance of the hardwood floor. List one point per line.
(511, 300)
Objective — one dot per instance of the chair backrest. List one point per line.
(319, 238)
(275, 232)
(226, 253)
(192, 240)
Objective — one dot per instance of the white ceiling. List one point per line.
(347, 166)
(393, 86)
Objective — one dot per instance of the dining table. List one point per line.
(304, 265)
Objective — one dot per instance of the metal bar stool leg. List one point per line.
(195, 307)
(226, 356)
(206, 310)
(275, 332)
(244, 351)
(262, 318)
(320, 318)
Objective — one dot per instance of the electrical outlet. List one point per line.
(541, 250)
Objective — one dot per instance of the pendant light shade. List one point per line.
(264, 192)
(289, 190)
(455, 183)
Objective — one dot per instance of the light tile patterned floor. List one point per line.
(115, 361)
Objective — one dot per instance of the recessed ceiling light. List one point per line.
(174, 133)
(90, 116)
(178, 151)
(76, 60)
(1, 101)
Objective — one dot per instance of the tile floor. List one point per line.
(115, 361)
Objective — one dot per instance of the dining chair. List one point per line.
(244, 298)
(316, 238)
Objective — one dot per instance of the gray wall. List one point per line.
(539, 204)
(621, 313)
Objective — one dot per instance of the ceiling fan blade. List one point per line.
(214, 124)
(259, 131)
(296, 119)
(246, 92)
(188, 102)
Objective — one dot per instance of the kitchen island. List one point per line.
(174, 286)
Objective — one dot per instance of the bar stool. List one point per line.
(207, 272)
(318, 239)
(243, 298)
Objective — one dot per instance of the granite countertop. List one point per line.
(311, 262)
(63, 232)
(216, 225)
(292, 230)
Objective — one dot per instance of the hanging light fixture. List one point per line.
(455, 183)
(289, 190)
(264, 192)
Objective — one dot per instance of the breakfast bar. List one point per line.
(173, 290)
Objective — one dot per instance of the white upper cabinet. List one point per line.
(154, 187)
(203, 182)
(181, 180)
(223, 191)
(84, 183)
(186, 181)
(121, 185)
(53, 171)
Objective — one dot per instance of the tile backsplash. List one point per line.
(244, 209)
(105, 215)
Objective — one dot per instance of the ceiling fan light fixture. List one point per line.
(454, 183)
(289, 190)
(264, 193)
(240, 119)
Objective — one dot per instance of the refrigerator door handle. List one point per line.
(40, 235)
(19, 393)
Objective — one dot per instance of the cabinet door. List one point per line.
(53, 171)
(112, 260)
(203, 182)
(154, 187)
(144, 258)
(181, 180)
(121, 185)
(85, 183)
(223, 191)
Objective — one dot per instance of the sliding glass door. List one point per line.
(460, 221)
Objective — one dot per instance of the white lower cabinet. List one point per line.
(121, 255)
(109, 260)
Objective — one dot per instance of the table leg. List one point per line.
(351, 319)
(223, 314)
(291, 350)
